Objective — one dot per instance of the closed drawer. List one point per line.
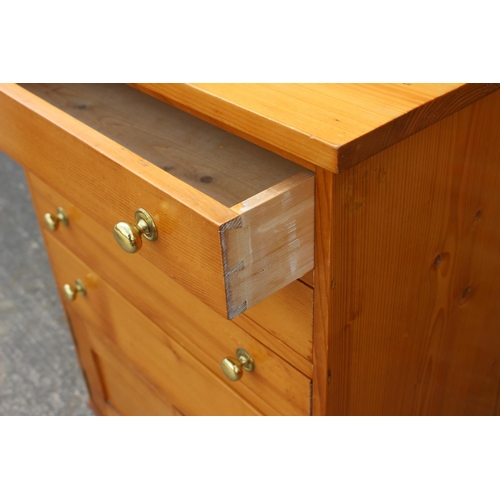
(282, 322)
(110, 320)
(235, 222)
(191, 379)
(115, 387)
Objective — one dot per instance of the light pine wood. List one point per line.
(110, 182)
(126, 390)
(105, 411)
(169, 367)
(221, 165)
(98, 401)
(274, 386)
(406, 253)
(282, 322)
(308, 278)
(273, 241)
(416, 261)
(121, 390)
(324, 284)
(71, 157)
(333, 126)
(286, 315)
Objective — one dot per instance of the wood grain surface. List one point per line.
(273, 244)
(416, 262)
(125, 389)
(219, 164)
(120, 389)
(323, 319)
(98, 399)
(333, 126)
(287, 315)
(308, 278)
(110, 182)
(71, 157)
(168, 366)
(274, 387)
(282, 322)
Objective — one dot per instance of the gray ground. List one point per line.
(39, 373)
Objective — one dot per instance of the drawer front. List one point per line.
(190, 378)
(168, 367)
(115, 387)
(229, 257)
(282, 322)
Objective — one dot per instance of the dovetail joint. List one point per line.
(239, 267)
(240, 309)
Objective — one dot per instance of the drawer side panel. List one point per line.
(272, 245)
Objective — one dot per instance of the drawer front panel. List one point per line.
(115, 387)
(282, 322)
(230, 258)
(275, 387)
(169, 367)
(286, 316)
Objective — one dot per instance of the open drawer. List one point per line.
(235, 223)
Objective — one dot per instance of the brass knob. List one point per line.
(128, 236)
(52, 221)
(233, 368)
(70, 292)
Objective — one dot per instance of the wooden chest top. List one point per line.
(333, 126)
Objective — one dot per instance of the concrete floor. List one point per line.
(39, 372)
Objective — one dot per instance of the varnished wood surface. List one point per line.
(167, 366)
(110, 182)
(219, 164)
(72, 157)
(98, 401)
(405, 316)
(416, 262)
(275, 386)
(308, 278)
(333, 126)
(323, 235)
(273, 244)
(282, 322)
(286, 315)
(121, 390)
(126, 390)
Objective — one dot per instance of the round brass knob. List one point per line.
(70, 292)
(52, 221)
(128, 236)
(233, 368)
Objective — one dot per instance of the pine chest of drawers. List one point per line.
(346, 262)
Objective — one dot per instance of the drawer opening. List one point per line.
(225, 167)
(235, 222)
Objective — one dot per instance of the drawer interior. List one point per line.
(221, 165)
(231, 256)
